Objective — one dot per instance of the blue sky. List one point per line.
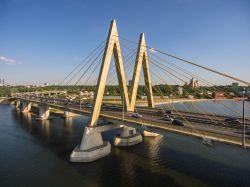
(42, 40)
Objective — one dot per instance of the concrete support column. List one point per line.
(43, 112)
(25, 106)
(92, 147)
(17, 103)
(127, 137)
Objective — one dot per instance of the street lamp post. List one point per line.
(122, 106)
(244, 123)
(172, 97)
(80, 96)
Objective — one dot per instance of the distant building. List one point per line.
(209, 93)
(1, 82)
(91, 94)
(218, 95)
(193, 83)
(231, 94)
(245, 93)
(190, 96)
(46, 84)
(87, 93)
(235, 84)
(180, 90)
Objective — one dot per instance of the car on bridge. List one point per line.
(113, 107)
(136, 115)
(169, 115)
(160, 112)
(169, 112)
(168, 118)
(247, 131)
(88, 105)
(66, 103)
(104, 105)
(177, 122)
(232, 120)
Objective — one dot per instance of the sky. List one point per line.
(43, 40)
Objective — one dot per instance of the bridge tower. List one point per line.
(113, 47)
(92, 146)
(141, 60)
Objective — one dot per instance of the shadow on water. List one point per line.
(168, 160)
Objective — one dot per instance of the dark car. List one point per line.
(160, 112)
(104, 105)
(169, 112)
(247, 131)
(113, 107)
(232, 120)
(89, 105)
(177, 122)
(219, 123)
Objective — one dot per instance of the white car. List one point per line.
(136, 115)
(168, 118)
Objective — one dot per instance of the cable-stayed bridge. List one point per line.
(160, 71)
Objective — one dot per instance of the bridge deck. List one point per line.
(151, 117)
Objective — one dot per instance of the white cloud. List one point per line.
(7, 61)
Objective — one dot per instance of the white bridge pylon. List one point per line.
(113, 47)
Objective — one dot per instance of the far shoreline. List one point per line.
(169, 101)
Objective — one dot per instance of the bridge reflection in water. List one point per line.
(172, 160)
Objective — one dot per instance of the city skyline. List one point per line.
(46, 46)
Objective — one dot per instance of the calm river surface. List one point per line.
(35, 153)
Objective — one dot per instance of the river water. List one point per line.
(35, 153)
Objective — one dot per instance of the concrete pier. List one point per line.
(25, 106)
(68, 114)
(128, 137)
(92, 146)
(43, 112)
(17, 103)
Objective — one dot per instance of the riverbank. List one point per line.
(4, 100)
(185, 100)
(159, 101)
